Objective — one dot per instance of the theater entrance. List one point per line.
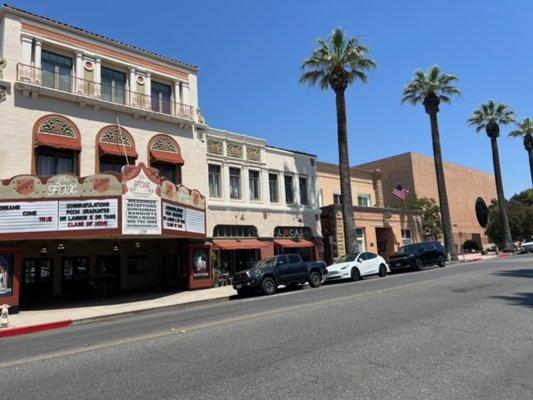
(37, 280)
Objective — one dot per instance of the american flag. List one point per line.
(401, 192)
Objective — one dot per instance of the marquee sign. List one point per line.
(136, 202)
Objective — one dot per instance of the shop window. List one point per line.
(56, 71)
(137, 265)
(214, 181)
(52, 161)
(235, 231)
(75, 268)
(235, 183)
(254, 185)
(6, 274)
(201, 264)
(113, 85)
(170, 171)
(273, 188)
(304, 195)
(363, 200)
(337, 198)
(289, 190)
(160, 94)
(407, 237)
(360, 237)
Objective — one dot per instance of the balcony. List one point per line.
(56, 84)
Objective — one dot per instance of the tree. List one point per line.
(525, 129)
(490, 116)
(520, 211)
(431, 89)
(336, 63)
(429, 214)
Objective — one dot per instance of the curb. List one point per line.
(24, 330)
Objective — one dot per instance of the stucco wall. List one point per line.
(330, 185)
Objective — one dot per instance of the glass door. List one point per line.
(37, 278)
(113, 86)
(56, 71)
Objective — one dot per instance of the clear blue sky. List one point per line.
(249, 54)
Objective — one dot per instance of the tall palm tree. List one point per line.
(490, 116)
(430, 89)
(525, 129)
(336, 63)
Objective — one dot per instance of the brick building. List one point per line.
(465, 185)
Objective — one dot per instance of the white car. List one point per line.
(526, 247)
(356, 265)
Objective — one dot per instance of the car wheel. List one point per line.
(268, 286)
(419, 265)
(442, 262)
(315, 279)
(382, 271)
(355, 275)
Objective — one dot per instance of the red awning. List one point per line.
(57, 141)
(117, 150)
(239, 244)
(289, 243)
(167, 157)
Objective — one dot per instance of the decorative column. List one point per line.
(132, 89)
(37, 60)
(148, 91)
(78, 74)
(96, 92)
(176, 92)
(26, 71)
(184, 99)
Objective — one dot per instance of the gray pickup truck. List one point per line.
(286, 269)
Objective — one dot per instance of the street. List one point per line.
(462, 332)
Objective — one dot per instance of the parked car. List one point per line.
(356, 265)
(526, 247)
(418, 256)
(285, 269)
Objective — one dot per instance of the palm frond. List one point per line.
(491, 112)
(431, 82)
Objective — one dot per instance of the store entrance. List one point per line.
(385, 242)
(37, 280)
(232, 261)
(105, 281)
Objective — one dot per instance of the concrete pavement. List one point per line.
(463, 332)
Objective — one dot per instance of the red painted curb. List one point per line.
(23, 330)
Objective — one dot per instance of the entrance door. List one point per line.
(385, 242)
(37, 278)
(75, 276)
(106, 279)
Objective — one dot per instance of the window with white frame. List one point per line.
(273, 188)
(235, 183)
(289, 190)
(337, 198)
(214, 181)
(407, 237)
(254, 185)
(360, 237)
(304, 195)
(363, 200)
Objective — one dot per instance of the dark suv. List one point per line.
(418, 255)
(285, 269)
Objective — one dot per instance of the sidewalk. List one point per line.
(39, 320)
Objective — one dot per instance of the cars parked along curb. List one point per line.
(418, 256)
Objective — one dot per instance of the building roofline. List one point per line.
(352, 169)
(374, 210)
(292, 151)
(96, 36)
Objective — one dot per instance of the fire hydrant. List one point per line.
(4, 315)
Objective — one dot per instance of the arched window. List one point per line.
(57, 143)
(115, 148)
(164, 154)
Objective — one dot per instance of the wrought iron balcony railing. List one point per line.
(114, 93)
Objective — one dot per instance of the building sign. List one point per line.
(292, 232)
(28, 216)
(88, 214)
(173, 217)
(141, 207)
(6, 274)
(195, 221)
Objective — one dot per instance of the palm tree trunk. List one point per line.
(502, 203)
(441, 186)
(350, 239)
(530, 153)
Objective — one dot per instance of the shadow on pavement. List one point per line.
(517, 273)
(519, 299)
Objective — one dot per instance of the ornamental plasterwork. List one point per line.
(3, 64)
(253, 153)
(56, 126)
(235, 150)
(164, 143)
(214, 146)
(112, 135)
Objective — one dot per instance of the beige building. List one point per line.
(261, 201)
(465, 185)
(380, 229)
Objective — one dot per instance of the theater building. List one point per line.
(465, 186)
(381, 230)
(103, 160)
(261, 201)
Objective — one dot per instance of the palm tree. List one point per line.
(431, 89)
(490, 116)
(525, 130)
(336, 63)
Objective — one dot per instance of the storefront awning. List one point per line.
(239, 244)
(166, 157)
(57, 141)
(117, 150)
(288, 243)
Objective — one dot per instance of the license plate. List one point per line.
(398, 264)
(238, 286)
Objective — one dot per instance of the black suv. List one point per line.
(418, 255)
(285, 269)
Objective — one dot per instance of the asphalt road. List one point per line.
(462, 332)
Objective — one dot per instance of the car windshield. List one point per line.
(266, 262)
(347, 258)
(410, 248)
